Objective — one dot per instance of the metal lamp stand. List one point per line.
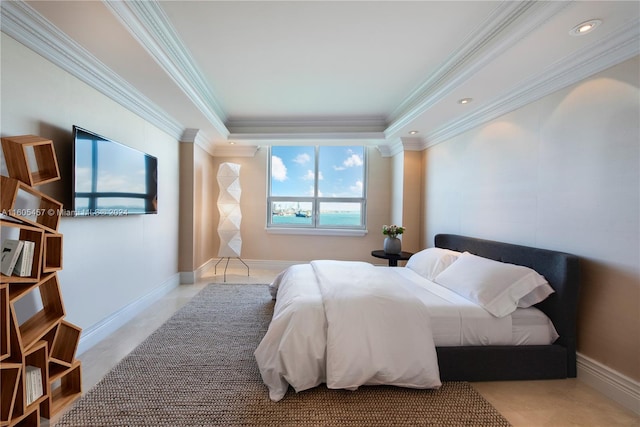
(215, 268)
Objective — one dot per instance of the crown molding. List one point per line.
(385, 150)
(307, 125)
(481, 35)
(205, 143)
(189, 136)
(396, 147)
(412, 143)
(400, 145)
(234, 150)
(619, 46)
(21, 22)
(373, 138)
(197, 137)
(491, 38)
(147, 23)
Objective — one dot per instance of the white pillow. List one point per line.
(432, 261)
(496, 286)
(537, 295)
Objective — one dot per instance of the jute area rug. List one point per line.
(198, 369)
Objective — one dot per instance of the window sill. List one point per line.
(317, 231)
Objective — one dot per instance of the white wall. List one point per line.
(561, 173)
(109, 263)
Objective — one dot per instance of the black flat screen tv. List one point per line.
(111, 179)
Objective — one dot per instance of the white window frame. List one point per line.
(315, 228)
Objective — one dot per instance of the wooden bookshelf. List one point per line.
(38, 356)
(10, 374)
(28, 419)
(65, 386)
(21, 231)
(51, 314)
(52, 255)
(44, 339)
(31, 159)
(29, 205)
(65, 344)
(5, 343)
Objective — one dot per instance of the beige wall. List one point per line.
(406, 196)
(205, 210)
(258, 244)
(186, 258)
(109, 263)
(198, 210)
(412, 189)
(397, 191)
(561, 173)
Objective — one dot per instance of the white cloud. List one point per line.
(303, 158)
(278, 169)
(310, 176)
(357, 187)
(353, 160)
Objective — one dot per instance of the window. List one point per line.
(320, 187)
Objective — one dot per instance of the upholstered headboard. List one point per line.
(560, 269)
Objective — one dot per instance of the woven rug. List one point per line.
(198, 369)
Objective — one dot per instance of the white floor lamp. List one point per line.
(230, 215)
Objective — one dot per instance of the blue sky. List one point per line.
(119, 167)
(340, 171)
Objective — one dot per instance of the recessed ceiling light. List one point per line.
(585, 27)
(232, 143)
(413, 132)
(465, 100)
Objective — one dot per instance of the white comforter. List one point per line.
(346, 324)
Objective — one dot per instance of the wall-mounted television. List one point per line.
(111, 179)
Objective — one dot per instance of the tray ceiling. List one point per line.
(325, 71)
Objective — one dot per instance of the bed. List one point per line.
(348, 324)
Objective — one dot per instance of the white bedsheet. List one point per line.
(302, 350)
(346, 324)
(462, 322)
(377, 331)
(456, 320)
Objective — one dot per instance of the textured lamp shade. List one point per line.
(229, 208)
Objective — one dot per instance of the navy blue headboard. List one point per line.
(560, 269)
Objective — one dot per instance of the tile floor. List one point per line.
(524, 403)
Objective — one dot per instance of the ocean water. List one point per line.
(330, 218)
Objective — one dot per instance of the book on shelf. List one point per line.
(25, 260)
(10, 253)
(33, 383)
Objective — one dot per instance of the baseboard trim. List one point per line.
(259, 264)
(187, 277)
(99, 331)
(191, 277)
(612, 384)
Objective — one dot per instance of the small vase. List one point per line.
(392, 245)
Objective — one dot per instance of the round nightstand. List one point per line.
(393, 259)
